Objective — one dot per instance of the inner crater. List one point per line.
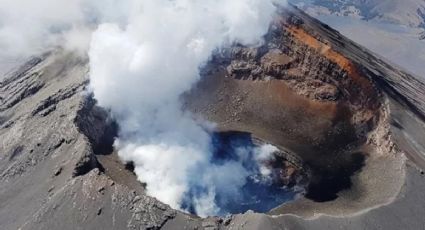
(273, 178)
(298, 118)
(312, 103)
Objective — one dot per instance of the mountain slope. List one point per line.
(409, 13)
(392, 29)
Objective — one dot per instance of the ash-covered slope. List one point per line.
(307, 89)
(393, 29)
(409, 12)
(50, 132)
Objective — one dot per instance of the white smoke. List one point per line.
(31, 27)
(28, 27)
(262, 155)
(143, 55)
(140, 70)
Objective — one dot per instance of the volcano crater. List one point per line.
(315, 105)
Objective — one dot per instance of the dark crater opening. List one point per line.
(105, 145)
(326, 183)
(261, 192)
(129, 166)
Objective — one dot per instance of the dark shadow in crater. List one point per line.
(327, 183)
(130, 166)
(98, 126)
(105, 145)
(335, 158)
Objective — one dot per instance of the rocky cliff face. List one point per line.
(337, 109)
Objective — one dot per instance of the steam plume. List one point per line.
(140, 70)
(143, 56)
